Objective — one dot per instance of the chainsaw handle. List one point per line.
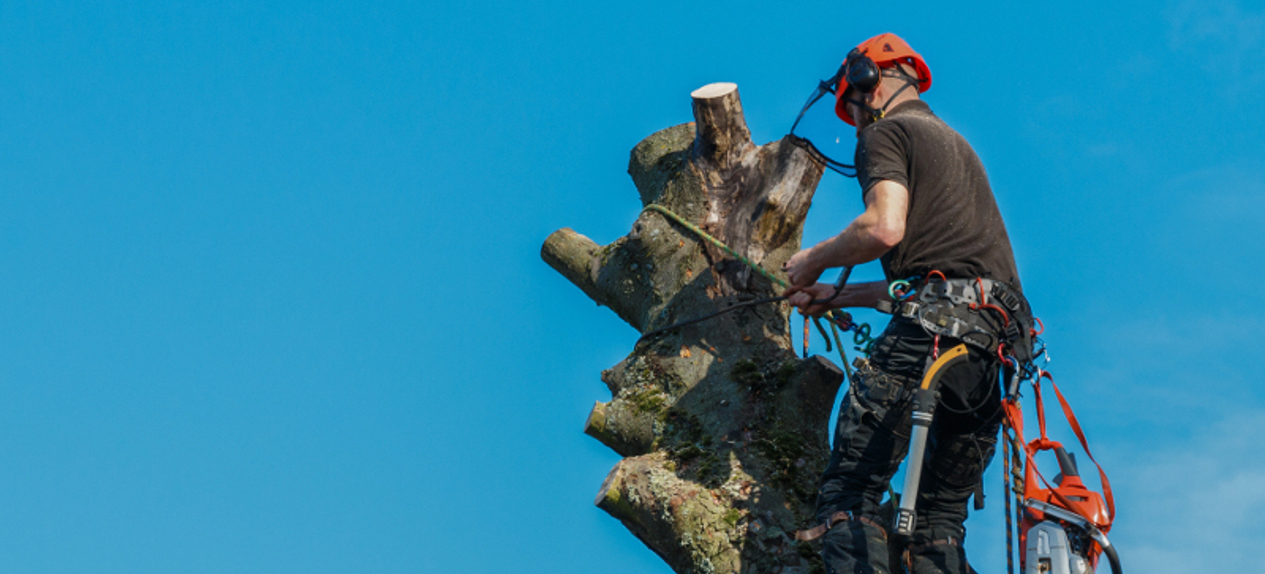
(1067, 463)
(1108, 549)
(1113, 559)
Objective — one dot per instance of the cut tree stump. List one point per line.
(722, 428)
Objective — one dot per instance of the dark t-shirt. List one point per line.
(953, 224)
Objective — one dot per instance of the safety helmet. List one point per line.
(866, 60)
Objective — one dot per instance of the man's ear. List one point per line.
(873, 98)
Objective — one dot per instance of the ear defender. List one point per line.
(862, 73)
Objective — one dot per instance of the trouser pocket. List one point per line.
(871, 437)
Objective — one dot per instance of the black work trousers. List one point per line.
(872, 438)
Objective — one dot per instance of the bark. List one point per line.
(722, 428)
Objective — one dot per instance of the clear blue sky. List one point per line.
(273, 301)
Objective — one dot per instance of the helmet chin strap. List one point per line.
(877, 114)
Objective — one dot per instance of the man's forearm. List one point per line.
(878, 229)
(862, 295)
(820, 297)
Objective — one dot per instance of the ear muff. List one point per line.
(862, 73)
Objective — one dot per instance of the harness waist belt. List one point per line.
(982, 313)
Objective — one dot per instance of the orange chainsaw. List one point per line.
(1063, 526)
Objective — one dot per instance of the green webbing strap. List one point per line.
(703, 234)
(749, 263)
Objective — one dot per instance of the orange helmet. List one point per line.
(881, 49)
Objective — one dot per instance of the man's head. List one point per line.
(875, 76)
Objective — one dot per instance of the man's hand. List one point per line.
(803, 299)
(801, 272)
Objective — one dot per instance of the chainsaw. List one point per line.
(1063, 525)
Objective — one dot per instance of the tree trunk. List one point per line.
(723, 429)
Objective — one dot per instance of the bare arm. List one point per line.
(874, 232)
(858, 295)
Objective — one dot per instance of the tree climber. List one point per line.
(931, 219)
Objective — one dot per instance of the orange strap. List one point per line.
(1036, 390)
(1014, 415)
(1076, 427)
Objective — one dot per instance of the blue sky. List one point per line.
(273, 298)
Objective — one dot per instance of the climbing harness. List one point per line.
(956, 308)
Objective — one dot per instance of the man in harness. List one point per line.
(931, 219)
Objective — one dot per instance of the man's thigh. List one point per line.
(871, 439)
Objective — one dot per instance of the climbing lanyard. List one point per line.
(837, 320)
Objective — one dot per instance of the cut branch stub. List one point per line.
(722, 130)
(724, 429)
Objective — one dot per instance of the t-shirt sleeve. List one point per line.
(881, 156)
